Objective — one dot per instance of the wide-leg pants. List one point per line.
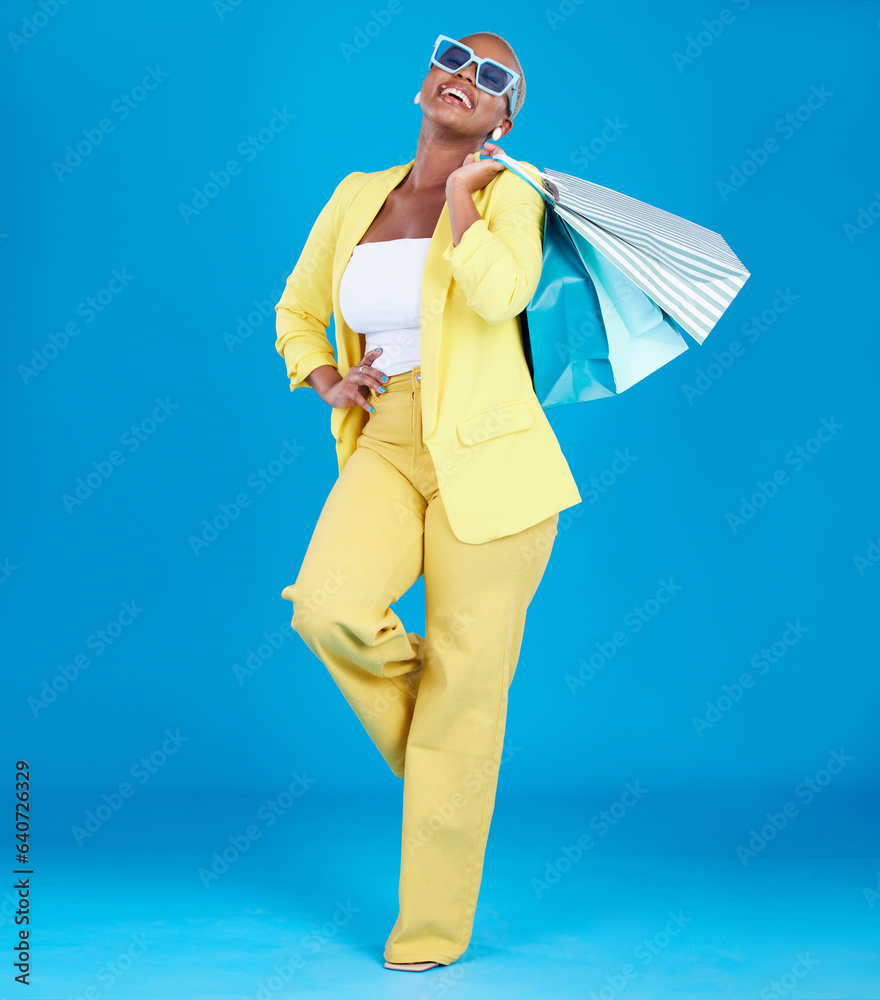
(435, 706)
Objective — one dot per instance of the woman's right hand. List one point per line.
(354, 388)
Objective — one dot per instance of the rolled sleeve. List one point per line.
(497, 263)
(299, 368)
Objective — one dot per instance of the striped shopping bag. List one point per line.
(621, 282)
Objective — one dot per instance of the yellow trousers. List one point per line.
(435, 706)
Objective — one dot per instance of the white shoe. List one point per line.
(412, 966)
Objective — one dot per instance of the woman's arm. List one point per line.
(306, 305)
(497, 263)
(323, 378)
(462, 210)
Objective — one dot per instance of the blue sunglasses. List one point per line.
(491, 76)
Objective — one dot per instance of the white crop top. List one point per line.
(380, 296)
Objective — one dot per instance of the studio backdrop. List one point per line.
(707, 622)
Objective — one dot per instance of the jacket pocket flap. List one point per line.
(495, 421)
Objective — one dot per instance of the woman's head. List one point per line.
(510, 61)
(481, 112)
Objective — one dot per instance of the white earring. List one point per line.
(418, 95)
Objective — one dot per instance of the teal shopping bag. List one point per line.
(621, 281)
(589, 331)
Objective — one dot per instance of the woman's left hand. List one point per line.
(475, 175)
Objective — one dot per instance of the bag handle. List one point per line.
(548, 192)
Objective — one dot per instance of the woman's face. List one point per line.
(480, 113)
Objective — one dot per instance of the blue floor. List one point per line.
(659, 906)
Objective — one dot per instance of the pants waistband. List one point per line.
(404, 380)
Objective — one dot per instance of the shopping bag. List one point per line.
(621, 282)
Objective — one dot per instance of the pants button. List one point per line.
(419, 377)
(426, 447)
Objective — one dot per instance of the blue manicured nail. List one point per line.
(372, 409)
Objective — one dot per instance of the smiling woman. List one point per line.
(490, 75)
(448, 468)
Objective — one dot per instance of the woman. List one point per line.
(448, 467)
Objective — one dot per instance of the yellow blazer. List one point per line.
(499, 465)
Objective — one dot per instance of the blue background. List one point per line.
(194, 326)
